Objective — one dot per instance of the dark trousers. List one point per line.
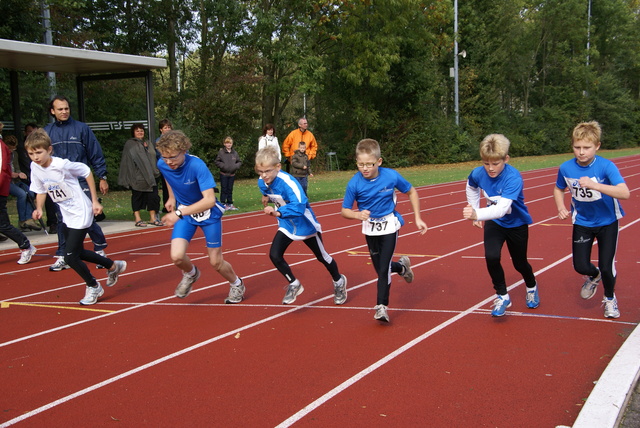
(226, 188)
(517, 239)
(76, 255)
(95, 231)
(8, 230)
(607, 237)
(280, 244)
(304, 182)
(165, 193)
(381, 249)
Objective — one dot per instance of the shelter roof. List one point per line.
(38, 57)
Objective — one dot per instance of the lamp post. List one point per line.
(456, 101)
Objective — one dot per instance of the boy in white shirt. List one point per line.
(59, 178)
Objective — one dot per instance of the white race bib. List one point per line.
(583, 194)
(199, 217)
(381, 226)
(59, 192)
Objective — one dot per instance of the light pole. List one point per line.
(456, 101)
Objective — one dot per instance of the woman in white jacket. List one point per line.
(269, 138)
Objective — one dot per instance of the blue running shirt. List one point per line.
(376, 195)
(510, 185)
(591, 208)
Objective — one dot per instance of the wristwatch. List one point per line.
(104, 177)
(178, 213)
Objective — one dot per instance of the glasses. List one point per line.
(265, 172)
(366, 165)
(171, 158)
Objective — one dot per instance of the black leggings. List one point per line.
(607, 237)
(76, 254)
(381, 249)
(280, 244)
(517, 239)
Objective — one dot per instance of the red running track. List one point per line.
(144, 357)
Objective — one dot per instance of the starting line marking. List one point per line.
(5, 305)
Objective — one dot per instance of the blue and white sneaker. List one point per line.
(500, 306)
(533, 300)
(611, 307)
(590, 285)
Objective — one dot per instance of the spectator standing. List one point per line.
(290, 144)
(300, 166)
(138, 171)
(269, 139)
(19, 189)
(6, 228)
(229, 162)
(165, 126)
(74, 140)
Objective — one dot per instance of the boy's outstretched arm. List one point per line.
(415, 204)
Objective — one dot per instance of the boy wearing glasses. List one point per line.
(192, 204)
(373, 190)
(296, 222)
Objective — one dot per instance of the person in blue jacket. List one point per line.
(596, 186)
(505, 218)
(296, 222)
(75, 141)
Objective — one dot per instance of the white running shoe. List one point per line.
(611, 307)
(293, 291)
(236, 294)
(184, 288)
(407, 274)
(91, 295)
(25, 256)
(340, 290)
(112, 275)
(59, 265)
(381, 313)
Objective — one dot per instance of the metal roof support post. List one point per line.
(80, 93)
(150, 106)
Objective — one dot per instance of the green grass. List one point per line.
(330, 185)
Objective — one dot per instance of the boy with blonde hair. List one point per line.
(58, 178)
(192, 204)
(296, 222)
(506, 219)
(596, 186)
(373, 190)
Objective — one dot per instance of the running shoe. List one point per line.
(103, 254)
(59, 265)
(236, 293)
(340, 290)
(381, 313)
(533, 299)
(184, 288)
(590, 285)
(91, 295)
(25, 255)
(407, 273)
(500, 306)
(119, 266)
(611, 307)
(293, 291)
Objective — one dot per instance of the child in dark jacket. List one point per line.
(300, 166)
(229, 162)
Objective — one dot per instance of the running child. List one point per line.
(296, 222)
(506, 219)
(58, 178)
(596, 186)
(192, 204)
(373, 190)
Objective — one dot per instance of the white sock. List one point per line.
(236, 283)
(296, 282)
(192, 272)
(504, 296)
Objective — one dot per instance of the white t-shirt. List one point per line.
(60, 181)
